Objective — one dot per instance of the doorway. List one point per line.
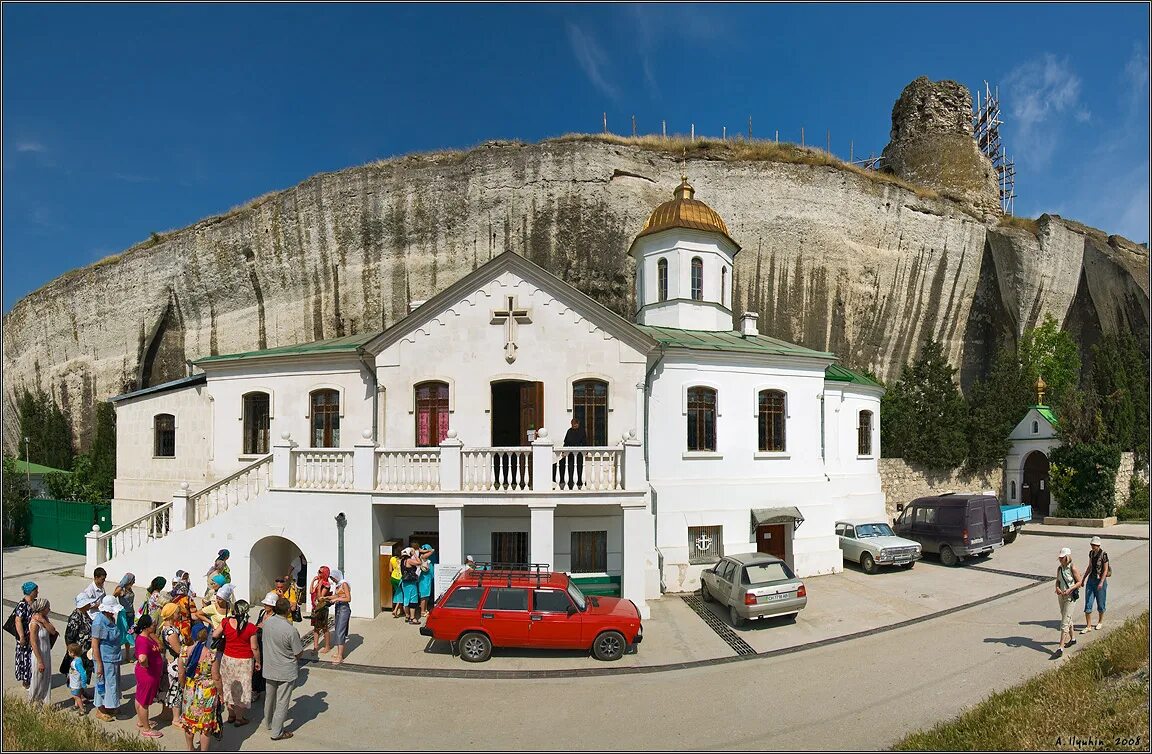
(517, 407)
(770, 539)
(1034, 491)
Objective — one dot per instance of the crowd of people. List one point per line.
(412, 576)
(204, 661)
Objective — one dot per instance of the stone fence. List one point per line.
(1124, 476)
(903, 482)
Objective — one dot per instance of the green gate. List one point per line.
(62, 524)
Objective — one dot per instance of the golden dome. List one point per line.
(685, 212)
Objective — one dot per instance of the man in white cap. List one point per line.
(1096, 585)
(106, 656)
(469, 563)
(1067, 592)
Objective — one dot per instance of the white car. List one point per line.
(873, 544)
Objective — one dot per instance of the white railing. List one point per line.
(232, 490)
(496, 469)
(127, 537)
(324, 469)
(399, 470)
(587, 469)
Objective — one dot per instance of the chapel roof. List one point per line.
(728, 340)
(683, 211)
(345, 344)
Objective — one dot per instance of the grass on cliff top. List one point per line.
(1023, 223)
(1100, 692)
(29, 727)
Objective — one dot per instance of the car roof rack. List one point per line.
(489, 572)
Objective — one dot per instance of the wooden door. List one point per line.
(531, 408)
(770, 539)
(387, 550)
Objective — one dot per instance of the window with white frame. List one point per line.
(705, 544)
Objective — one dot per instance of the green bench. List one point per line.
(599, 586)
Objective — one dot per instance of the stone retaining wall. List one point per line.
(1124, 477)
(903, 482)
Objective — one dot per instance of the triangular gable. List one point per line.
(1045, 425)
(509, 261)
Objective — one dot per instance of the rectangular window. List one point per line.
(160, 522)
(164, 436)
(506, 599)
(864, 434)
(325, 419)
(697, 279)
(771, 421)
(510, 547)
(466, 597)
(256, 419)
(589, 551)
(431, 414)
(705, 544)
(701, 418)
(550, 601)
(590, 408)
(662, 280)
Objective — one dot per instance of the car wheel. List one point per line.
(704, 593)
(475, 647)
(1009, 537)
(909, 565)
(948, 556)
(868, 564)
(738, 620)
(609, 646)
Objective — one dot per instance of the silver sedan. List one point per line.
(753, 585)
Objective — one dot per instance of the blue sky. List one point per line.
(122, 120)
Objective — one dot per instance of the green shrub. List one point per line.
(1084, 479)
(1135, 508)
(16, 513)
(29, 727)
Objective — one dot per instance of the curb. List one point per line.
(1086, 535)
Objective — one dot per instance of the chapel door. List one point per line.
(531, 408)
(770, 539)
(1034, 490)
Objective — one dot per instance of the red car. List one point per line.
(483, 609)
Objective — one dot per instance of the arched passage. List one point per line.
(271, 557)
(1034, 487)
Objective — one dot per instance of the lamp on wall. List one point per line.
(341, 522)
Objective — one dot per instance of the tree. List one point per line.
(995, 405)
(1079, 417)
(1119, 376)
(48, 430)
(1084, 479)
(1049, 352)
(102, 454)
(15, 511)
(924, 416)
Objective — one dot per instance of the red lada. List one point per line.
(486, 609)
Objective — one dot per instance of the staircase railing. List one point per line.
(127, 537)
(232, 490)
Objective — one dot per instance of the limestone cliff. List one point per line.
(832, 259)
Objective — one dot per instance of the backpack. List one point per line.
(407, 572)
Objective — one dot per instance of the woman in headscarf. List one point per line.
(187, 610)
(200, 678)
(320, 592)
(170, 639)
(241, 658)
(219, 567)
(426, 577)
(42, 634)
(23, 613)
(149, 672)
(155, 596)
(340, 598)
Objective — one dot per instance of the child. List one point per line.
(77, 676)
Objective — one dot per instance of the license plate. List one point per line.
(774, 597)
(978, 540)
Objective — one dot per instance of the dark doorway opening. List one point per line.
(517, 407)
(1034, 491)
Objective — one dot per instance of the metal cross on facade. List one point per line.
(704, 542)
(510, 317)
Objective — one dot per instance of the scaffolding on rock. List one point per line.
(986, 124)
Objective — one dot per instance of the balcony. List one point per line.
(454, 468)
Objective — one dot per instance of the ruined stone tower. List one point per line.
(931, 144)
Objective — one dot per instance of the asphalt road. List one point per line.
(865, 693)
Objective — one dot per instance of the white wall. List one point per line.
(461, 347)
(678, 246)
(142, 478)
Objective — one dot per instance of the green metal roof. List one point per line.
(23, 467)
(837, 373)
(730, 340)
(346, 344)
(1046, 412)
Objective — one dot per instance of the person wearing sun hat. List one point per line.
(1067, 592)
(107, 652)
(1095, 583)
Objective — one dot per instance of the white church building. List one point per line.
(448, 428)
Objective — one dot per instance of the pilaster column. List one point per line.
(451, 533)
(182, 514)
(542, 535)
(542, 465)
(641, 409)
(635, 474)
(638, 545)
(283, 464)
(364, 462)
(451, 457)
(95, 552)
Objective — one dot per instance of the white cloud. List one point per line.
(591, 57)
(1038, 96)
(31, 146)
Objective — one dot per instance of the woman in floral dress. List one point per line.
(173, 647)
(23, 624)
(200, 678)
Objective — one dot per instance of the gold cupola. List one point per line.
(683, 211)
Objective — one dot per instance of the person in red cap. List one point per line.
(321, 592)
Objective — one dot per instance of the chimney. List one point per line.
(748, 324)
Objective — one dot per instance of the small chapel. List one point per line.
(513, 419)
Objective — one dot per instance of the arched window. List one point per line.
(1012, 486)
(697, 279)
(325, 418)
(662, 280)
(590, 408)
(771, 422)
(701, 418)
(431, 413)
(256, 414)
(724, 285)
(164, 436)
(864, 434)
(1036, 431)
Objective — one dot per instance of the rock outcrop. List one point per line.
(832, 259)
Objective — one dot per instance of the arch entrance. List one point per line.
(1034, 488)
(271, 557)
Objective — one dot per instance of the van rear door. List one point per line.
(993, 521)
(974, 523)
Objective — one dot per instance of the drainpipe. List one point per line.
(341, 522)
(370, 367)
(647, 389)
